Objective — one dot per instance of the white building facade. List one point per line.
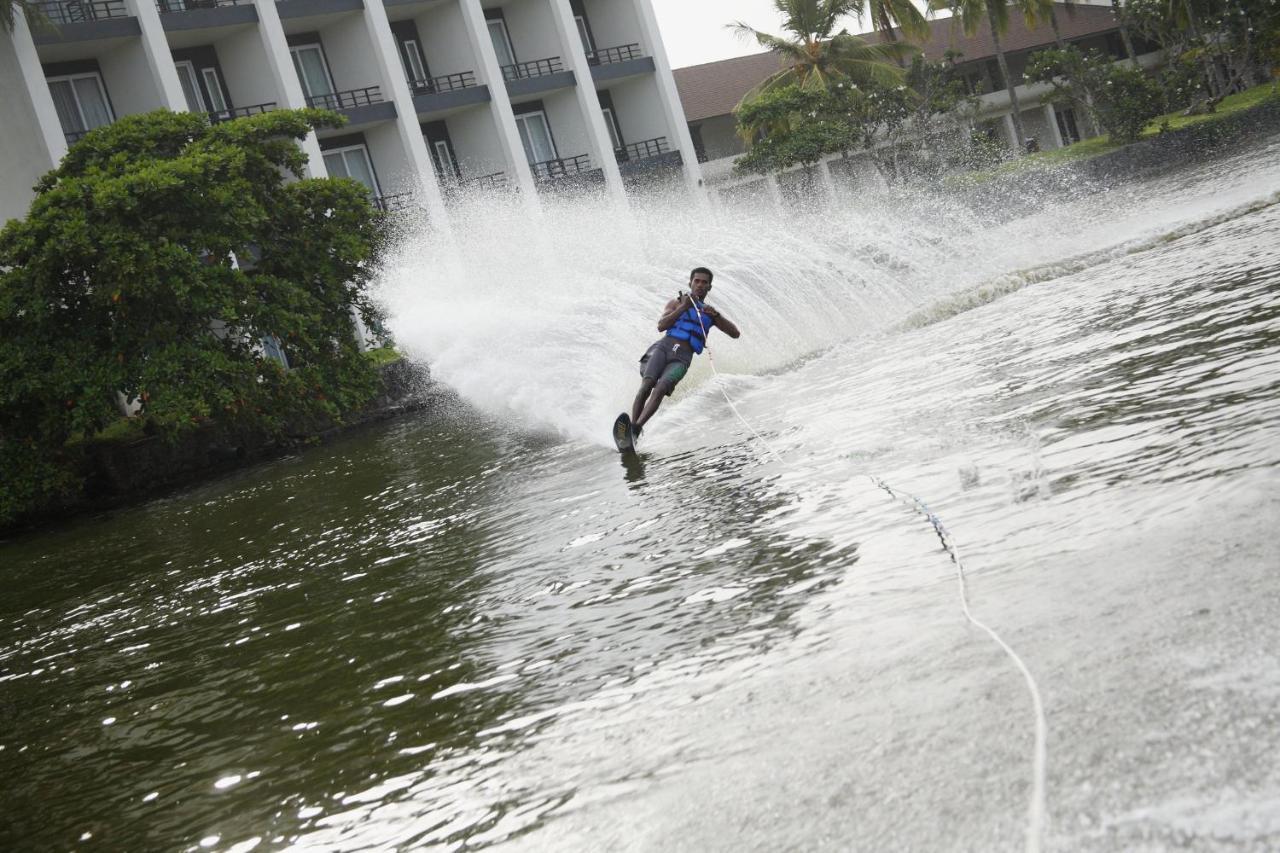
(442, 97)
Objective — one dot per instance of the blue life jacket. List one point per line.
(688, 328)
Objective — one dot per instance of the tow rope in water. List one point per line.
(1039, 763)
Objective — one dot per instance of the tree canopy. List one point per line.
(168, 262)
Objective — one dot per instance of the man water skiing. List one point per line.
(687, 320)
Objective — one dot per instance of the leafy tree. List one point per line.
(799, 126)
(1119, 97)
(921, 130)
(911, 128)
(1235, 42)
(995, 14)
(123, 282)
(816, 56)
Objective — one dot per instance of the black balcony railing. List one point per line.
(347, 100)
(494, 181)
(561, 167)
(534, 68)
(642, 150)
(610, 55)
(216, 116)
(79, 11)
(166, 6)
(393, 203)
(444, 83)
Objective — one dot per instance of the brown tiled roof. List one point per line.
(1074, 21)
(715, 88)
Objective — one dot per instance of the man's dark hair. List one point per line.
(710, 275)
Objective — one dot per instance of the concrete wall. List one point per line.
(349, 49)
(129, 81)
(532, 30)
(720, 137)
(568, 126)
(614, 23)
(639, 110)
(476, 143)
(443, 35)
(26, 149)
(395, 174)
(246, 69)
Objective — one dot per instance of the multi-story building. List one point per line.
(710, 92)
(442, 97)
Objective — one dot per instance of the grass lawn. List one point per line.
(1087, 148)
(383, 355)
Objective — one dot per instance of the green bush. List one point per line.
(123, 281)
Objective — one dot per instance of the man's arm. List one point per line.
(722, 322)
(672, 312)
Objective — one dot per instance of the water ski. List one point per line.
(623, 435)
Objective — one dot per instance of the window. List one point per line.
(501, 41)
(352, 162)
(1067, 126)
(313, 73)
(446, 167)
(611, 122)
(190, 88)
(411, 57)
(535, 136)
(213, 86)
(81, 102)
(585, 34)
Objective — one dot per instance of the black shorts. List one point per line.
(667, 361)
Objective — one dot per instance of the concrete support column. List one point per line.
(37, 90)
(828, 183)
(651, 39)
(155, 47)
(504, 119)
(1052, 118)
(585, 93)
(288, 88)
(775, 190)
(1011, 133)
(391, 71)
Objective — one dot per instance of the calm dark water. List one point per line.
(451, 632)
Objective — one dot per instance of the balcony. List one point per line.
(393, 203)
(360, 106)
(63, 12)
(614, 63)
(170, 6)
(178, 15)
(346, 100)
(571, 169)
(219, 116)
(447, 92)
(642, 150)
(443, 84)
(536, 77)
(533, 68)
(646, 156)
(611, 55)
(486, 183)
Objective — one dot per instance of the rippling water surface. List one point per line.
(483, 628)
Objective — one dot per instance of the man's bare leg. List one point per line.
(655, 400)
(646, 386)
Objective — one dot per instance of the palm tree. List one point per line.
(1124, 32)
(887, 14)
(814, 55)
(996, 14)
